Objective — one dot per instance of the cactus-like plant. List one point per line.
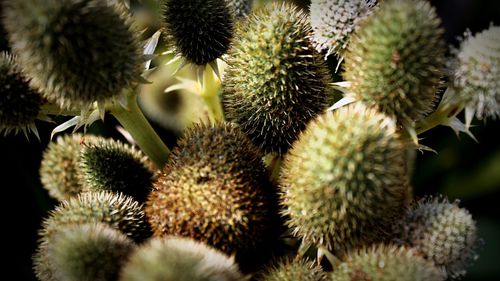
(294, 270)
(240, 8)
(284, 83)
(344, 181)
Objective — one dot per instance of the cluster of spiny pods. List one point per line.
(286, 188)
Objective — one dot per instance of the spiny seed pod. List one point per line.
(179, 259)
(477, 71)
(19, 104)
(107, 164)
(201, 30)
(59, 170)
(213, 189)
(119, 211)
(76, 51)
(240, 8)
(344, 181)
(333, 21)
(386, 263)
(84, 252)
(275, 82)
(395, 60)
(294, 270)
(442, 232)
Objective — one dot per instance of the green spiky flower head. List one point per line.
(333, 21)
(214, 189)
(386, 263)
(59, 168)
(179, 259)
(477, 71)
(294, 270)
(395, 60)
(85, 252)
(275, 81)
(442, 232)
(19, 103)
(240, 8)
(75, 51)
(200, 30)
(344, 181)
(107, 164)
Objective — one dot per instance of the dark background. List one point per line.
(462, 168)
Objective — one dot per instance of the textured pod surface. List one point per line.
(386, 263)
(344, 181)
(179, 259)
(477, 72)
(59, 169)
(442, 232)
(75, 51)
(395, 60)
(294, 270)
(275, 82)
(201, 30)
(19, 104)
(240, 8)
(333, 21)
(119, 211)
(107, 164)
(84, 252)
(213, 189)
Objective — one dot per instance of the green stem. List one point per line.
(52, 109)
(134, 121)
(210, 94)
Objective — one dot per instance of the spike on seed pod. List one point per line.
(201, 30)
(344, 181)
(284, 84)
(179, 259)
(442, 232)
(396, 59)
(19, 103)
(75, 51)
(59, 169)
(214, 189)
(386, 263)
(83, 252)
(107, 164)
(294, 270)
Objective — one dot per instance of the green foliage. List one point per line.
(106, 164)
(179, 259)
(294, 270)
(214, 189)
(344, 181)
(275, 82)
(200, 30)
(395, 60)
(442, 232)
(75, 51)
(386, 263)
(19, 104)
(84, 252)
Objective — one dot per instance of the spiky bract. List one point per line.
(240, 8)
(59, 169)
(333, 21)
(294, 270)
(84, 252)
(213, 189)
(386, 263)
(344, 181)
(275, 81)
(395, 60)
(19, 103)
(179, 259)
(119, 211)
(476, 77)
(75, 51)
(201, 30)
(107, 164)
(442, 232)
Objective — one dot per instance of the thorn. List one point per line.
(199, 73)
(342, 102)
(215, 68)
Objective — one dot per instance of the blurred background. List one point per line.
(462, 168)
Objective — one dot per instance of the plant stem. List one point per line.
(210, 94)
(134, 121)
(52, 109)
(445, 111)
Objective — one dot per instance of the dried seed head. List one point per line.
(294, 270)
